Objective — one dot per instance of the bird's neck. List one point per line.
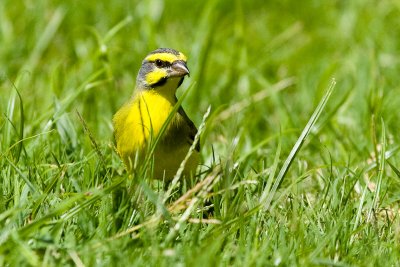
(166, 90)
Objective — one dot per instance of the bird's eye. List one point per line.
(159, 63)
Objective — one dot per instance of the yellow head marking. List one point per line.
(168, 57)
(182, 57)
(155, 76)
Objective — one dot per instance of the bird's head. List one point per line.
(163, 68)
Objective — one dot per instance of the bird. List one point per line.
(140, 120)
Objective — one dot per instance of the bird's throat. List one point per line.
(168, 89)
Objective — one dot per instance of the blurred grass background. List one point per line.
(338, 204)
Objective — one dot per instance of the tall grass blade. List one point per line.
(267, 195)
(381, 171)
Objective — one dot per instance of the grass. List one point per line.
(295, 172)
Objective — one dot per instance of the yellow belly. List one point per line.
(138, 123)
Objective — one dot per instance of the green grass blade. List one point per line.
(266, 199)
(381, 170)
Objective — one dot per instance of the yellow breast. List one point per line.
(140, 120)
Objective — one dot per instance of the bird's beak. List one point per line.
(179, 69)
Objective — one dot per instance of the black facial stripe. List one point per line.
(158, 62)
(161, 63)
(180, 82)
(161, 82)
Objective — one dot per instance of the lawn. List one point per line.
(297, 105)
